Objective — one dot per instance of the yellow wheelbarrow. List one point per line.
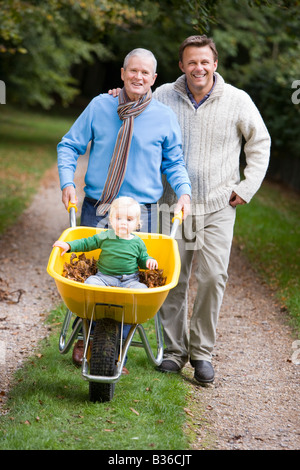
(109, 308)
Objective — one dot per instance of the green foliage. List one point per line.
(27, 149)
(164, 26)
(258, 41)
(268, 231)
(259, 51)
(41, 40)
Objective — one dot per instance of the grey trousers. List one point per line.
(207, 241)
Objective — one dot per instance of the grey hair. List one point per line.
(140, 52)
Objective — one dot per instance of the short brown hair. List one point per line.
(198, 41)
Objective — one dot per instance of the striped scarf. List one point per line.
(127, 111)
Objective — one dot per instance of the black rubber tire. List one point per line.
(104, 358)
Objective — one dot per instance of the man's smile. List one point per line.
(198, 75)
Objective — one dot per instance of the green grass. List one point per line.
(268, 230)
(28, 143)
(49, 406)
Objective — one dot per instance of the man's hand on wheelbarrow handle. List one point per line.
(183, 206)
(69, 197)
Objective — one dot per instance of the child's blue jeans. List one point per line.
(130, 281)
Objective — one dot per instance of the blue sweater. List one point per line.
(155, 149)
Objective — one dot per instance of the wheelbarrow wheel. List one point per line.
(104, 358)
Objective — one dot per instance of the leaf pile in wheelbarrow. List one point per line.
(81, 267)
(152, 277)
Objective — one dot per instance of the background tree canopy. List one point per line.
(52, 51)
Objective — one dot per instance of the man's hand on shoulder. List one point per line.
(114, 92)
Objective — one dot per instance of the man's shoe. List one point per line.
(78, 351)
(204, 371)
(125, 371)
(168, 366)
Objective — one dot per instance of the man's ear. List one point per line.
(180, 64)
(154, 78)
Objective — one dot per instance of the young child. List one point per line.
(122, 252)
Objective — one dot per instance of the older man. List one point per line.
(148, 144)
(134, 140)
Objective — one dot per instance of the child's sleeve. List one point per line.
(86, 244)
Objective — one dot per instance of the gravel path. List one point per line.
(24, 254)
(254, 402)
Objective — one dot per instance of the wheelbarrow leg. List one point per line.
(64, 346)
(156, 361)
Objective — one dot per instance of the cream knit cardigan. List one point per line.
(212, 139)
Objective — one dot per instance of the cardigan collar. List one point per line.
(179, 87)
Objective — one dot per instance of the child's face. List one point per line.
(124, 221)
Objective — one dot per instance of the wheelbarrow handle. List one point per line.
(72, 209)
(176, 221)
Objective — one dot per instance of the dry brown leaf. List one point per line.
(8, 296)
(80, 268)
(188, 412)
(152, 278)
